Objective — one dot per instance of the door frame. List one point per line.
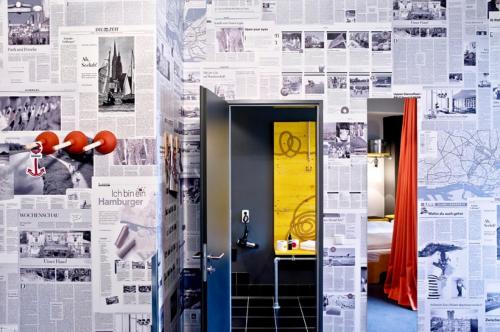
(318, 105)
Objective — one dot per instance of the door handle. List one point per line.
(196, 256)
(216, 257)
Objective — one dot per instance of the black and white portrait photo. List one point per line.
(291, 41)
(230, 39)
(336, 39)
(30, 113)
(29, 22)
(314, 39)
(116, 74)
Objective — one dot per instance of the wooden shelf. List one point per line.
(379, 155)
(295, 252)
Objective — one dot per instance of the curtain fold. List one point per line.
(401, 282)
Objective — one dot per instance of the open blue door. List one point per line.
(215, 213)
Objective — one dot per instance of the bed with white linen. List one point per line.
(379, 241)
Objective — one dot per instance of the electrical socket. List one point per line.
(245, 216)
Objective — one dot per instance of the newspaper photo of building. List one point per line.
(29, 22)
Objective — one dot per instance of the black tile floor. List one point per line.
(257, 314)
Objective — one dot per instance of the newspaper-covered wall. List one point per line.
(336, 51)
(169, 26)
(458, 236)
(76, 241)
(444, 52)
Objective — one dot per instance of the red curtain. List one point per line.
(401, 282)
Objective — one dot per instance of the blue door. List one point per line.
(215, 213)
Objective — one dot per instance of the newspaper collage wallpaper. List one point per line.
(75, 243)
(78, 233)
(445, 53)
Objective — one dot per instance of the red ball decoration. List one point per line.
(78, 141)
(108, 140)
(48, 139)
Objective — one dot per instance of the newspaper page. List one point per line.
(30, 48)
(345, 148)
(55, 269)
(450, 263)
(113, 68)
(124, 217)
(420, 42)
(343, 274)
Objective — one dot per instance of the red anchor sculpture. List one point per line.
(36, 153)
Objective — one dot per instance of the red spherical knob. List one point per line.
(108, 140)
(78, 140)
(48, 139)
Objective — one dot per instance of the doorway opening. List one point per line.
(273, 184)
(274, 199)
(385, 125)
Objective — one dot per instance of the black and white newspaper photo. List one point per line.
(29, 22)
(30, 113)
(62, 170)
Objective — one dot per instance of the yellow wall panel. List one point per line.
(294, 183)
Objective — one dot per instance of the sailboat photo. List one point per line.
(116, 86)
(128, 85)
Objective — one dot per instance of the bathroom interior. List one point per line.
(265, 139)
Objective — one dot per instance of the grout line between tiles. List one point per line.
(303, 318)
(246, 319)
